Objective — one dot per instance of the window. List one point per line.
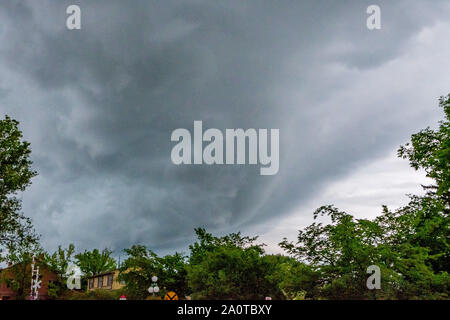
(100, 281)
(110, 280)
(91, 283)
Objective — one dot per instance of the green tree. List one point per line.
(15, 176)
(142, 264)
(341, 251)
(288, 278)
(207, 242)
(429, 215)
(410, 245)
(228, 273)
(430, 150)
(58, 262)
(95, 262)
(228, 267)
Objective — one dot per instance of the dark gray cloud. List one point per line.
(99, 106)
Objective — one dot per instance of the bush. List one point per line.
(98, 294)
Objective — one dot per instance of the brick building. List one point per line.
(6, 293)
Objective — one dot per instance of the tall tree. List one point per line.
(341, 251)
(228, 267)
(430, 150)
(410, 245)
(95, 262)
(429, 215)
(59, 262)
(207, 242)
(15, 176)
(142, 264)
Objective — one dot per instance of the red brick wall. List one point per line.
(43, 291)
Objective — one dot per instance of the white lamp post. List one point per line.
(154, 286)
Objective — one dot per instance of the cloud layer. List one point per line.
(99, 106)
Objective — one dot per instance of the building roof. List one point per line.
(102, 274)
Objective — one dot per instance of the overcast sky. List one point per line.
(99, 105)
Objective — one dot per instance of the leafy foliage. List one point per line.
(58, 262)
(142, 264)
(15, 176)
(410, 245)
(98, 294)
(430, 150)
(95, 262)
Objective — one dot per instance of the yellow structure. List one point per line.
(105, 281)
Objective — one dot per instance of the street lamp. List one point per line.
(154, 286)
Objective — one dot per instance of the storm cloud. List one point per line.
(99, 105)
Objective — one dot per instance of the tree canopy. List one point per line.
(410, 244)
(15, 175)
(95, 261)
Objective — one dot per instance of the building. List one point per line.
(107, 281)
(6, 276)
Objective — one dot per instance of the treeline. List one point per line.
(328, 260)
